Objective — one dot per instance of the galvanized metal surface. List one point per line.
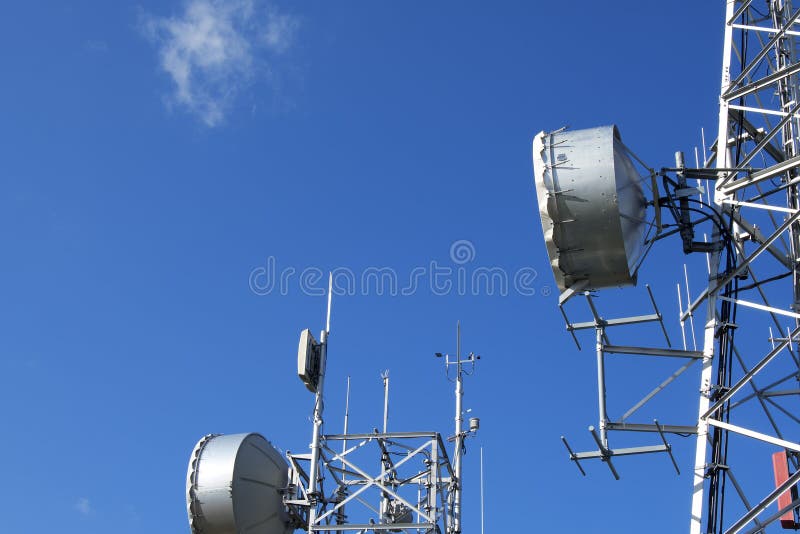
(591, 205)
(234, 485)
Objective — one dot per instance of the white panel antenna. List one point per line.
(308, 360)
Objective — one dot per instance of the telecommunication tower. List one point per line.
(739, 207)
(378, 481)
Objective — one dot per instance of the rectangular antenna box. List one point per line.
(308, 360)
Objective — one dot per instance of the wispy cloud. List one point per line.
(280, 31)
(213, 49)
(83, 506)
(95, 45)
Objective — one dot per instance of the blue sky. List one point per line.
(155, 155)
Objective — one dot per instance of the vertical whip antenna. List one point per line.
(346, 424)
(385, 378)
(330, 293)
(688, 301)
(482, 494)
(680, 316)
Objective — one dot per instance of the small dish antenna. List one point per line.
(591, 205)
(234, 485)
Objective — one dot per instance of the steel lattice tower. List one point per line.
(749, 380)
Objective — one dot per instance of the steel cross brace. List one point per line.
(372, 481)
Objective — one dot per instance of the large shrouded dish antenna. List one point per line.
(233, 485)
(592, 207)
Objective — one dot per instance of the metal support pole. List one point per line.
(384, 508)
(601, 387)
(314, 472)
(459, 439)
(701, 447)
(700, 466)
(433, 483)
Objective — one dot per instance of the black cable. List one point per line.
(728, 310)
(765, 281)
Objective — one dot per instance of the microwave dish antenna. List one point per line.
(591, 205)
(234, 484)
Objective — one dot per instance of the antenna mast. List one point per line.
(319, 405)
(460, 434)
(459, 437)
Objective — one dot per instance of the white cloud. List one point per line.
(97, 46)
(83, 506)
(280, 31)
(211, 49)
